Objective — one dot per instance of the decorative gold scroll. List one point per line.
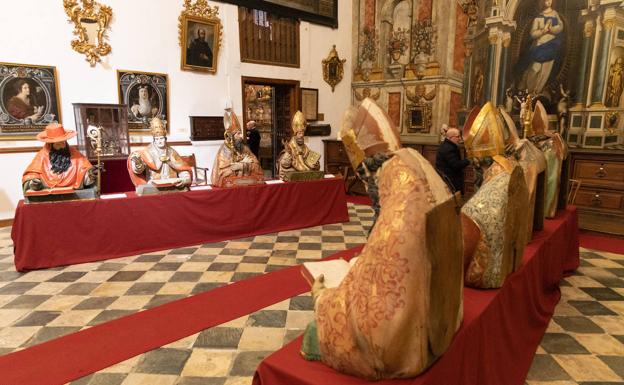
(91, 21)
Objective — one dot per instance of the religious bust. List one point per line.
(158, 164)
(235, 164)
(58, 168)
(297, 156)
(386, 319)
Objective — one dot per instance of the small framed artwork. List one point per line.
(29, 100)
(146, 95)
(619, 37)
(200, 36)
(418, 119)
(309, 103)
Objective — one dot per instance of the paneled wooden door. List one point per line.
(274, 126)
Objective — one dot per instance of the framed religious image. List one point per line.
(29, 100)
(309, 104)
(200, 36)
(146, 95)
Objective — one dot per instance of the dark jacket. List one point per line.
(253, 141)
(450, 165)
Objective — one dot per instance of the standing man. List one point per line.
(253, 138)
(449, 162)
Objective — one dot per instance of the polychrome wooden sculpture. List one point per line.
(555, 151)
(491, 135)
(400, 305)
(58, 171)
(297, 156)
(158, 167)
(495, 220)
(495, 229)
(235, 164)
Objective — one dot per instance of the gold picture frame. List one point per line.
(333, 68)
(91, 22)
(146, 94)
(25, 113)
(199, 36)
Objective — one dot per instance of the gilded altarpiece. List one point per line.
(568, 54)
(410, 60)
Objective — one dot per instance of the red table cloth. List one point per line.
(64, 233)
(500, 331)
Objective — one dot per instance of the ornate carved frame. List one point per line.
(333, 68)
(90, 12)
(202, 13)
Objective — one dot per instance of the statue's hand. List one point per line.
(137, 163)
(36, 184)
(318, 286)
(91, 176)
(236, 166)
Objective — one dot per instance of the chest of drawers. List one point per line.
(600, 198)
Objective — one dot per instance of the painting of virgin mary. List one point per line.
(539, 65)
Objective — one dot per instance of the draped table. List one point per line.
(64, 233)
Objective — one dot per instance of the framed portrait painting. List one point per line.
(200, 36)
(29, 100)
(309, 103)
(146, 95)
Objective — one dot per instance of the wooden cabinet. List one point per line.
(337, 162)
(600, 199)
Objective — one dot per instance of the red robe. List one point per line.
(41, 168)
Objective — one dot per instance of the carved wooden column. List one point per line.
(586, 50)
(490, 79)
(467, 86)
(502, 72)
(602, 63)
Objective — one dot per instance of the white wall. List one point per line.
(144, 37)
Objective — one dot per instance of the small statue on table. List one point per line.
(235, 164)
(58, 171)
(297, 156)
(158, 167)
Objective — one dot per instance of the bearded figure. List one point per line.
(159, 162)
(57, 167)
(235, 164)
(297, 156)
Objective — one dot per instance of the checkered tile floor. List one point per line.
(584, 343)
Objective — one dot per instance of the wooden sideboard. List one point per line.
(600, 198)
(337, 162)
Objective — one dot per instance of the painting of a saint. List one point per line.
(540, 62)
(616, 83)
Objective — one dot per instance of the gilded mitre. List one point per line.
(298, 123)
(539, 122)
(367, 130)
(157, 127)
(486, 133)
(230, 123)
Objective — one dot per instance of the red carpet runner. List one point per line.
(500, 332)
(602, 243)
(76, 355)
